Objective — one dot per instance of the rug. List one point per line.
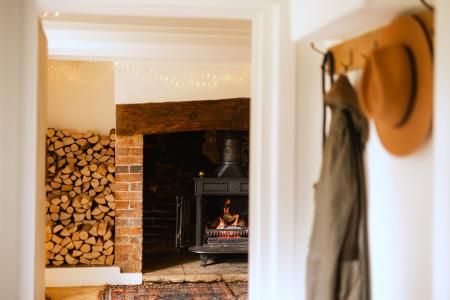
(179, 291)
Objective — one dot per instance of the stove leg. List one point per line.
(203, 260)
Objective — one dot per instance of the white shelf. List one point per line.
(331, 19)
(89, 276)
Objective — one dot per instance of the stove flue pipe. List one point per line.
(231, 166)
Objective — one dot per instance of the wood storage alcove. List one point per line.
(80, 198)
(133, 121)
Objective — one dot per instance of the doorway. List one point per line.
(272, 127)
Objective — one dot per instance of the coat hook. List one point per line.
(316, 49)
(346, 66)
(427, 5)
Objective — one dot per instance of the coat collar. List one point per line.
(342, 96)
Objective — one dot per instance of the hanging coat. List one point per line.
(338, 265)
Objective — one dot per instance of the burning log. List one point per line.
(228, 219)
(80, 203)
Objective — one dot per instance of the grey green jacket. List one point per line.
(338, 266)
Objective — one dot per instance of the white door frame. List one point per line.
(272, 258)
(441, 131)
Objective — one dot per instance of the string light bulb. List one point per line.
(74, 72)
(47, 14)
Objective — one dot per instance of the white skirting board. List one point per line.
(89, 276)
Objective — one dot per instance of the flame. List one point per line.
(236, 223)
(226, 208)
(228, 219)
(221, 224)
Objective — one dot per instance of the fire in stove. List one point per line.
(229, 219)
(229, 228)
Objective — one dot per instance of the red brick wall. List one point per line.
(129, 178)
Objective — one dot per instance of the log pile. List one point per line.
(80, 198)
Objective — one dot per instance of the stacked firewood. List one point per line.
(80, 198)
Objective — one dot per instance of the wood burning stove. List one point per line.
(230, 182)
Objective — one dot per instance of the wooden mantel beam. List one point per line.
(167, 117)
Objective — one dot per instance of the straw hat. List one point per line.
(396, 87)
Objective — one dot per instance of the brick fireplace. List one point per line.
(133, 122)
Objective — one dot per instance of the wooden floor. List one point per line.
(75, 293)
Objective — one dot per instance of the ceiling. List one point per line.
(113, 38)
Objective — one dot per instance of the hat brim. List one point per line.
(410, 32)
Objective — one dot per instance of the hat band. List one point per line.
(412, 99)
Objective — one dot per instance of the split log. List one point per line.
(94, 230)
(109, 260)
(108, 251)
(108, 234)
(101, 228)
(84, 233)
(49, 245)
(64, 251)
(97, 248)
(91, 240)
(85, 261)
(50, 132)
(86, 248)
(77, 244)
(71, 260)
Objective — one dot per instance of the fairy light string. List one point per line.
(74, 72)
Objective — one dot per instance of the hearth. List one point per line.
(228, 232)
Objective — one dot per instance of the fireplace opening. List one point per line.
(171, 162)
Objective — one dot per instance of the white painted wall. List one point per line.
(309, 147)
(400, 193)
(77, 101)
(145, 82)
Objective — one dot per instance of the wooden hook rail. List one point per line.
(352, 54)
